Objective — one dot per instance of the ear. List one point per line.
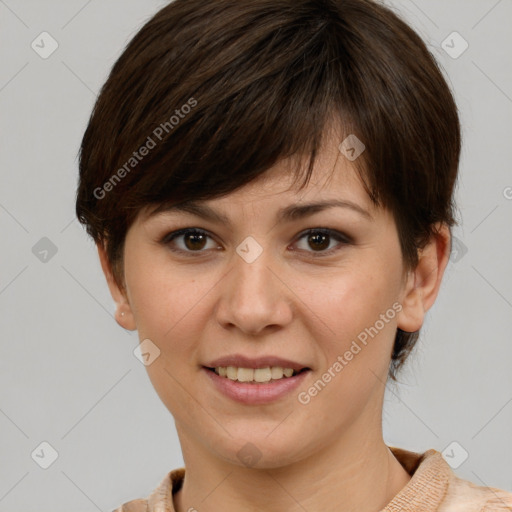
(424, 281)
(123, 315)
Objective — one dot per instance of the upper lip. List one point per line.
(241, 361)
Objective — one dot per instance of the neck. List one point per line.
(356, 473)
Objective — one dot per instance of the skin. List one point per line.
(326, 455)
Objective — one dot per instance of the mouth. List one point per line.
(266, 374)
(256, 382)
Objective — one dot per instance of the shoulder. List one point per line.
(464, 495)
(435, 486)
(501, 500)
(161, 498)
(140, 505)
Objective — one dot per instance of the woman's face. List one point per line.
(256, 285)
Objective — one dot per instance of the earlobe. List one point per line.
(423, 283)
(123, 315)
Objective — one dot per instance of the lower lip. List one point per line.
(255, 394)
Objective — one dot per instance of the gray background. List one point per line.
(68, 375)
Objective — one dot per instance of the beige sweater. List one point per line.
(433, 487)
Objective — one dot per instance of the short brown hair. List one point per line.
(260, 80)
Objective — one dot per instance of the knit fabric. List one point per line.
(433, 487)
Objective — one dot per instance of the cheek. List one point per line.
(163, 298)
(170, 309)
(351, 299)
(358, 310)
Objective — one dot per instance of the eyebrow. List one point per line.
(288, 213)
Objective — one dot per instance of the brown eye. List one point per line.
(319, 241)
(188, 240)
(194, 241)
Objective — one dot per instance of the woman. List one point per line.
(270, 187)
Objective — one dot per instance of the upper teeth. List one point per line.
(251, 374)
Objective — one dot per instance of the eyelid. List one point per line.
(342, 239)
(171, 236)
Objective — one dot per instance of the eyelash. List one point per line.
(336, 235)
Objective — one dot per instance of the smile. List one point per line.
(255, 386)
(255, 375)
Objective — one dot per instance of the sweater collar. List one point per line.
(425, 491)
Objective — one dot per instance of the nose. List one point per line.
(254, 296)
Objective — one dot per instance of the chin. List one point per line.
(258, 450)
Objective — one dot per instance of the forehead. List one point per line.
(277, 196)
(332, 171)
(334, 178)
